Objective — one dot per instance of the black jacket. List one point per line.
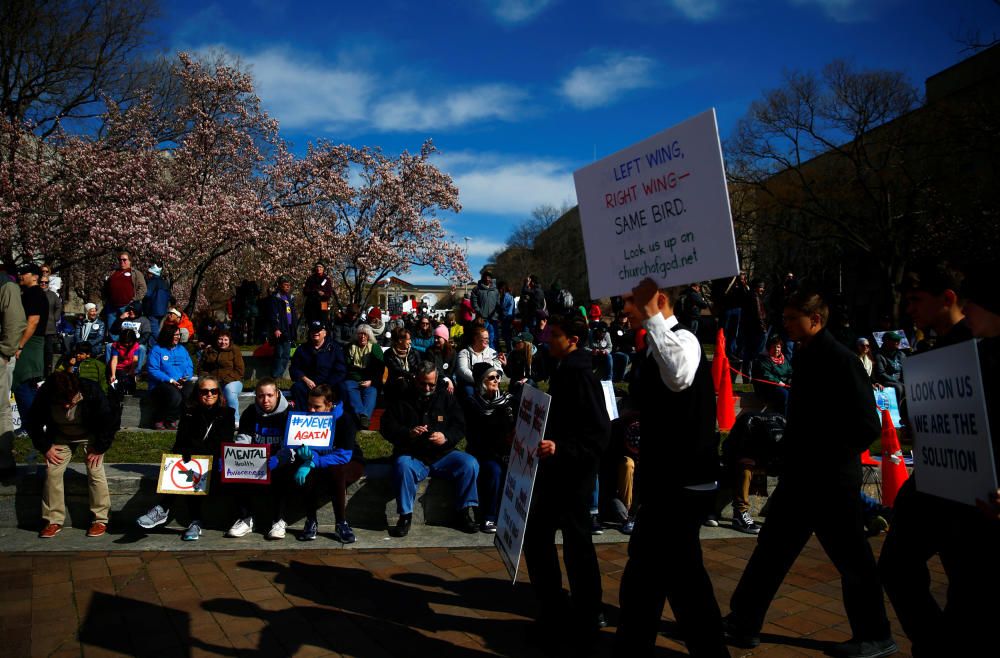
(95, 414)
(489, 427)
(440, 412)
(325, 365)
(578, 417)
(201, 431)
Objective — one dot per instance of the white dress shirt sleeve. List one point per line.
(677, 353)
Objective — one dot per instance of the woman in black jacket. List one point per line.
(206, 424)
(402, 361)
(489, 428)
(444, 357)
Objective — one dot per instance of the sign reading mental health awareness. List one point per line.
(904, 344)
(952, 451)
(313, 430)
(886, 399)
(246, 462)
(521, 470)
(658, 209)
(180, 477)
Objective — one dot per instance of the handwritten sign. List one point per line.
(180, 477)
(15, 415)
(658, 209)
(313, 430)
(242, 462)
(521, 470)
(952, 451)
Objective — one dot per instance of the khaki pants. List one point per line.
(626, 476)
(54, 495)
(6, 417)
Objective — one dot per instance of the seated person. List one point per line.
(131, 318)
(170, 373)
(444, 357)
(90, 329)
(423, 425)
(775, 368)
(525, 366)
(599, 346)
(365, 369)
(864, 351)
(224, 361)
(478, 351)
(339, 467)
(319, 361)
(619, 464)
(70, 413)
(889, 363)
(489, 425)
(753, 443)
(79, 360)
(401, 362)
(126, 354)
(423, 335)
(263, 422)
(207, 423)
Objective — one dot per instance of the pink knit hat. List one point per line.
(441, 331)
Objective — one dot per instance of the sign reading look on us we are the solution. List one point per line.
(953, 454)
(658, 209)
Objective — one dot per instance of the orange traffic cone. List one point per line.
(893, 469)
(725, 407)
(718, 367)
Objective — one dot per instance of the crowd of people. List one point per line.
(442, 382)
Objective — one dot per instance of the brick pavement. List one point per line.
(414, 602)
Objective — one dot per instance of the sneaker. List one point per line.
(402, 525)
(277, 530)
(743, 522)
(489, 527)
(154, 517)
(467, 521)
(159, 425)
(876, 526)
(309, 531)
(171, 424)
(345, 534)
(595, 525)
(710, 522)
(193, 532)
(241, 528)
(97, 529)
(737, 635)
(629, 526)
(50, 531)
(864, 648)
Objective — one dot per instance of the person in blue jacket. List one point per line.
(318, 361)
(170, 371)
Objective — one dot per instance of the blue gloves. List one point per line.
(305, 453)
(272, 463)
(302, 474)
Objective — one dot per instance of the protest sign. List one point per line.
(180, 477)
(521, 470)
(15, 415)
(610, 400)
(658, 209)
(953, 454)
(313, 430)
(904, 344)
(245, 462)
(886, 399)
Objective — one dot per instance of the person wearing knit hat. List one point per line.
(489, 425)
(444, 357)
(90, 329)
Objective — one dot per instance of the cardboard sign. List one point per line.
(658, 209)
(952, 451)
(180, 477)
(313, 430)
(246, 462)
(886, 399)
(904, 344)
(522, 467)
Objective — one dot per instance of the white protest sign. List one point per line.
(952, 452)
(15, 415)
(521, 470)
(242, 462)
(610, 401)
(904, 344)
(313, 430)
(658, 209)
(180, 477)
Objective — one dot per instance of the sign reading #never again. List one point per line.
(658, 209)
(313, 430)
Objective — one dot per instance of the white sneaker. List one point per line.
(241, 528)
(277, 530)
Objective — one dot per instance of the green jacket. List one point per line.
(93, 369)
(766, 369)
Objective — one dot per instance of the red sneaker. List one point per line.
(97, 529)
(50, 531)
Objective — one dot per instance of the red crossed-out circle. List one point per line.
(184, 484)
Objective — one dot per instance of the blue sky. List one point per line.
(519, 93)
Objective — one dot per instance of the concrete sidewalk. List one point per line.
(372, 603)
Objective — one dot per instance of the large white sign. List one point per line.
(521, 470)
(246, 463)
(185, 477)
(658, 209)
(952, 452)
(313, 430)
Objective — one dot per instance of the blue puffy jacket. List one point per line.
(169, 364)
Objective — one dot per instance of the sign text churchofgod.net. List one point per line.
(658, 209)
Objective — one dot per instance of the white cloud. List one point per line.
(516, 11)
(602, 84)
(508, 185)
(406, 111)
(697, 10)
(842, 11)
(483, 247)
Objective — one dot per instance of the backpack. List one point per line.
(565, 299)
(755, 435)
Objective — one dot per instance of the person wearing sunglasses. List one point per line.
(207, 423)
(489, 422)
(123, 286)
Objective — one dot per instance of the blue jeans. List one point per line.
(458, 466)
(154, 327)
(232, 391)
(620, 360)
(362, 398)
(140, 356)
(282, 355)
(595, 496)
(490, 483)
(493, 330)
(604, 365)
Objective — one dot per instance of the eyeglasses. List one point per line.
(123, 260)
(492, 378)
(208, 391)
(44, 282)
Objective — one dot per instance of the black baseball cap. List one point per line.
(30, 268)
(316, 326)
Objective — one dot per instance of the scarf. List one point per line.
(403, 361)
(486, 406)
(358, 355)
(779, 360)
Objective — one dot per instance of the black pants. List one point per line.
(833, 512)
(336, 478)
(564, 504)
(968, 544)
(665, 564)
(168, 400)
